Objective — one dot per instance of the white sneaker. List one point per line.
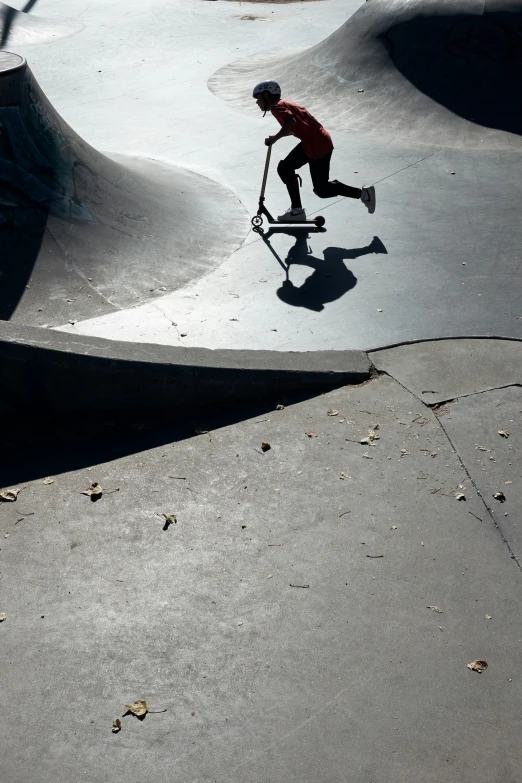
(368, 199)
(292, 216)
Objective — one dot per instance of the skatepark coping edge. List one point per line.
(60, 372)
(57, 372)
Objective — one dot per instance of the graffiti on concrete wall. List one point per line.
(35, 175)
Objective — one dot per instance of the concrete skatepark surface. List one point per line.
(451, 265)
(70, 214)
(440, 72)
(312, 612)
(286, 620)
(19, 27)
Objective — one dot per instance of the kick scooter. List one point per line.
(257, 220)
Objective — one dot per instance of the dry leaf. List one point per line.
(460, 496)
(3, 617)
(170, 519)
(440, 627)
(280, 407)
(49, 480)
(404, 452)
(499, 496)
(481, 448)
(478, 666)
(311, 434)
(372, 435)
(199, 430)
(9, 495)
(487, 617)
(504, 433)
(508, 482)
(366, 455)
(435, 609)
(393, 527)
(116, 726)
(265, 446)
(94, 492)
(332, 412)
(343, 475)
(138, 708)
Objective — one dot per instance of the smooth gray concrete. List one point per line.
(18, 28)
(134, 82)
(442, 370)
(494, 462)
(432, 71)
(265, 621)
(447, 262)
(85, 234)
(352, 678)
(10, 61)
(63, 373)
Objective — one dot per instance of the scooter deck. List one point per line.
(295, 223)
(257, 220)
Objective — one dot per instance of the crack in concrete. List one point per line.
(481, 496)
(434, 409)
(171, 322)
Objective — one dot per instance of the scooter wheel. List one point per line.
(319, 220)
(257, 221)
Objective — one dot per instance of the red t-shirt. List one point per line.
(316, 141)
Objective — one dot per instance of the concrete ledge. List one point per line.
(440, 370)
(60, 372)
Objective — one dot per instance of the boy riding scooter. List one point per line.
(315, 148)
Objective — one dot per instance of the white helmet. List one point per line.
(269, 85)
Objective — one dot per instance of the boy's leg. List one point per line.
(286, 170)
(320, 172)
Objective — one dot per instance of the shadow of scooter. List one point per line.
(330, 279)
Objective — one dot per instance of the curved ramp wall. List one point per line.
(18, 28)
(76, 224)
(445, 72)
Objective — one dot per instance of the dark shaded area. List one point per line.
(22, 228)
(468, 63)
(7, 19)
(27, 191)
(40, 444)
(330, 280)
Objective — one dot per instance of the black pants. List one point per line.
(319, 171)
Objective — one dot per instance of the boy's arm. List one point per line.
(286, 130)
